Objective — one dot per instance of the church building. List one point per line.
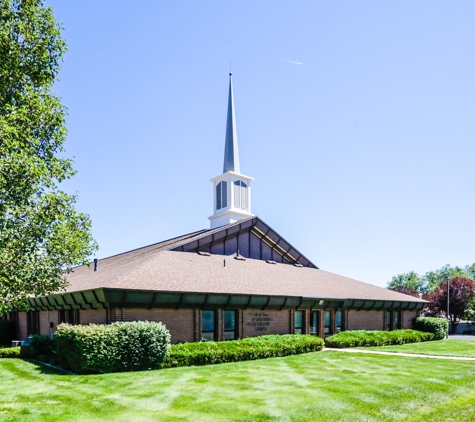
(239, 278)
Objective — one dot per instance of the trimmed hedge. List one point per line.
(41, 345)
(118, 347)
(361, 338)
(251, 348)
(437, 326)
(10, 352)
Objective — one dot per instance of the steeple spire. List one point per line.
(231, 190)
(231, 152)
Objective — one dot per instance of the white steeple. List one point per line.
(231, 190)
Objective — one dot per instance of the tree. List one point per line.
(432, 279)
(42, 236)
(407, 291)
(461, 295)
(409, 283)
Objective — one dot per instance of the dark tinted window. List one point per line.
(229, 325)
(208, 318)
(298, 322)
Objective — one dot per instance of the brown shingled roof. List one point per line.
(161, 270)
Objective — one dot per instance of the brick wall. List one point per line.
(180, 322)
(365, 320)
(185, 324)
(92, 316)
(407, 317)
(257, 323)
(45, 318)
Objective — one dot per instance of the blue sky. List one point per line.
(362, 155)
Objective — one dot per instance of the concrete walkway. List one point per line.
(409, 355)
(461, 337)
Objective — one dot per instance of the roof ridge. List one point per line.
(182, 237)
(211, 231)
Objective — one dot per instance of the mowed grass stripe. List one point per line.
(317, 386)
(460, 348)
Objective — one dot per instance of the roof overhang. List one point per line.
(126, 298)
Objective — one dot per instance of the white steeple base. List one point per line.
(227, 217)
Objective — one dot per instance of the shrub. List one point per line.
(437, 326)
(121, 346)
(10, 352)
(207, 353)
(363, 338)
(40, 345)
(7, 331)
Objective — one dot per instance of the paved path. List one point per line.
(461, 337)
(409, 355)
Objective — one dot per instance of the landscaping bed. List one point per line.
(362, 338)
(459, 348)
(251, 348)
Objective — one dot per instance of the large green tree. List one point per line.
(413, 284)
(409, 283)
(42, 236)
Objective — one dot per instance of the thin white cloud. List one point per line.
(291, 61)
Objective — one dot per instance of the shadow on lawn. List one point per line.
(46, 368)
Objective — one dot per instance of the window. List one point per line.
(327, 329)
(338, 321)
(69, 316)
(389, 326)
(33, 323)
(229, 325)
(240, 195)
(221, 195)
(208, 323)
(313, 329)
(298, 317)
(397, 320)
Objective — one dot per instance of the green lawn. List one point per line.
(465, 348)
(324, 386)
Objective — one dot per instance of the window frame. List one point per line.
(298, 328)
(213, 331)
(317, 323)
(69, 316)
(339, 328)
(397, 320)
(327, 329)
(388, 321)
(234, 330)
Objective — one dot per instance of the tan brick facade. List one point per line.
(407, 317)
(257, 323)
(185, 324)
(366, 320)
(93, 316)
(180, 322)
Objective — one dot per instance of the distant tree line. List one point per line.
(433, 287)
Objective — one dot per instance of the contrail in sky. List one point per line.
(291, 61)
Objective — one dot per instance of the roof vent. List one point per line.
(203, 253)
(297, 264)
(95, 264)
(240, 258)
(271, 262)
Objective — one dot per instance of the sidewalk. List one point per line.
(409, 355)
